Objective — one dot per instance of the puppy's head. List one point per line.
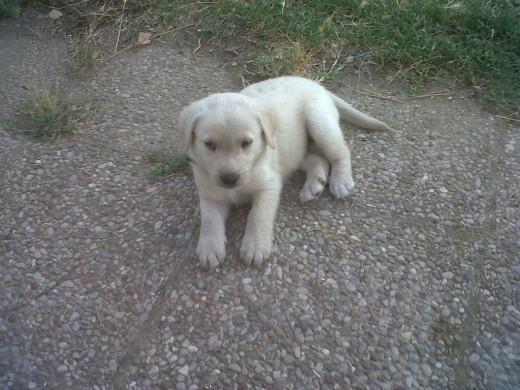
(225, 135)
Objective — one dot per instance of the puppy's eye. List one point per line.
(210, 144)
(246, 143)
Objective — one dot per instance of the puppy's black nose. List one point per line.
(229, 180)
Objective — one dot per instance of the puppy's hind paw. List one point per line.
(341, 188)
(312, 189)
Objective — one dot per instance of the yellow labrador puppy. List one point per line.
(243, 145)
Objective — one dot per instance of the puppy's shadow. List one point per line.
(289, 203)
(235, 227)
(292, 187)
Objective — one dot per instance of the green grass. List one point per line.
(166, 164)
(86, 55)
(11, 7)
(476, 42)
(46, 115)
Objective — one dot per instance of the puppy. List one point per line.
(243, 145)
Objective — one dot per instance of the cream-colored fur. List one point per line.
(243, 145)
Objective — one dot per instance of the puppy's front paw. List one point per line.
(255, 250)
(211, 252)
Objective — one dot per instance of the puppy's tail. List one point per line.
(350, 115)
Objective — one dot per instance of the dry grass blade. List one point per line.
(508, 118)
(402, 99)
(197, 48)
(120, 26)
(380, 96)
(36, 33)
(429, 95)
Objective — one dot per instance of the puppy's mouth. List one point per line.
(228, 186)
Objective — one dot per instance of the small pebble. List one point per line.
(426, 369)
(212, 340)
(112, 365)
(61, 369)
(384, 179)
(184, 370)
(324, 214)
(474, 358)
(235, 367)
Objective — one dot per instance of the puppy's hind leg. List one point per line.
(324, 129)
(316, 168)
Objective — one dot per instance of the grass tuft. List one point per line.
(86, 55)
(167, 164)
(46, 115)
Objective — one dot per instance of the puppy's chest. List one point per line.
(236, 196)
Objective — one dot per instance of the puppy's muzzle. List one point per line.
(229, 180)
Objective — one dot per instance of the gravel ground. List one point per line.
(411, 283)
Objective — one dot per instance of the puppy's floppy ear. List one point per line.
(267, 120)
(187, 123)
